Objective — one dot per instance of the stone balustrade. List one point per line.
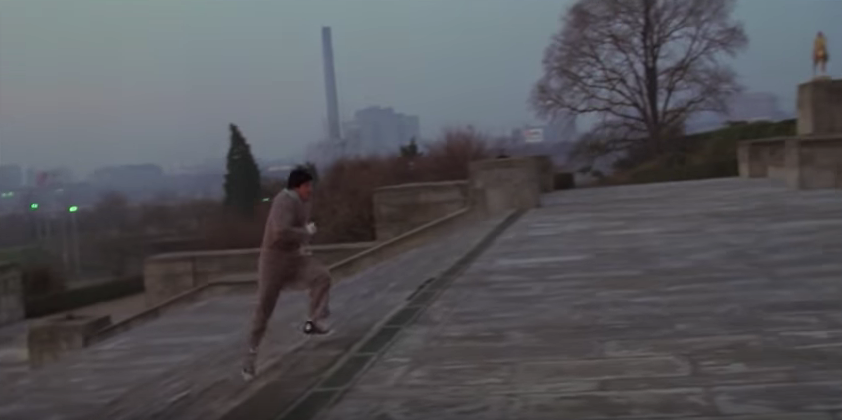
(167, 275)
(401, 208)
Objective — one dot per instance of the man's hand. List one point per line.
(311, 228)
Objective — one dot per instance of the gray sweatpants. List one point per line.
(306, 274)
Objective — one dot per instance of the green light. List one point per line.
(265, 200)
(33, 206)
(7, 195)
(73, 209)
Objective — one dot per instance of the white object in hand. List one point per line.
(311, 228)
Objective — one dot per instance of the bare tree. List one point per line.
(643, 66)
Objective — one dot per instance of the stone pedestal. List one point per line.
(820, 107)
(507, 184)
(48, 340)
(11, 294)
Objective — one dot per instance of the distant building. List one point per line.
(48, 177)
(11, 177)
(561, 128)
(377, 130)
(129, 177)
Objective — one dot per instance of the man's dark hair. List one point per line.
(298, 177)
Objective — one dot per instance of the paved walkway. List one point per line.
(700, 300)
(186, 365)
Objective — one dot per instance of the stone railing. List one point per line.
(804, 163)
(11, 293)
(401, 208)
(167, 275)
(165, 296)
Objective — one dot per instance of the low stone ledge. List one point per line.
(49, 339)
(168, 275)
(803, 163)
(401, 208)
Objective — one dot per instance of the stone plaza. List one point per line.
(695, 300)
(714, 299)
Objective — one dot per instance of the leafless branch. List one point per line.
(645, 65)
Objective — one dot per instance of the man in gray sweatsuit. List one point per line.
(285, 265)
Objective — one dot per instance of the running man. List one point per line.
(285, 265)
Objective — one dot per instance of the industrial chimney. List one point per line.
(330, 86)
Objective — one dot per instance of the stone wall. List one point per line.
(168, 275)
(814, 163)
(11, 294)
(804, 163)
(401, 208)
(761, 158)
(500, 185)
(820, 107)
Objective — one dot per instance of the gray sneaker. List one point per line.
(312, 328)
(249, 362)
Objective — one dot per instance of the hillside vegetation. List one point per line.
(710, 154)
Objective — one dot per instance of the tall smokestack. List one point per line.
(330, 85)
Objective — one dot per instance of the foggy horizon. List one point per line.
(86, 84)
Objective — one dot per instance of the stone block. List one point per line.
(546, 172)
(820, 107)
(48, 340)
(165, 276)
(508, 184)
(821, 163)
(11, 294)
(399, 209)
(814, 163)
(762, 158)
(743, 161)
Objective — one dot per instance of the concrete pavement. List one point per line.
(700, 300)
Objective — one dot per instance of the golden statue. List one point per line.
(820, 55)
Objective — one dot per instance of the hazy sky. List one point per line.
(85, 83)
